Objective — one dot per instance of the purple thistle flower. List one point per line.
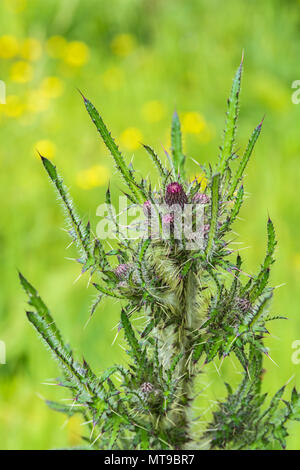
(175, 195)
(122, 271)
(201, 198)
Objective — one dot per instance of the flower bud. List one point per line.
(201, 198)
(146, 387)
(122, 271)
(244, 304)
(175, 195)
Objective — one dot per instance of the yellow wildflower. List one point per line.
(123, 44)
(203, 180)
(131, 138)
(9, 46)
(76, 54)
(16, 5)
(153, 111)
(97, 175)
(193, 122)
(21, 72)
(31, 49)
(46, 148)
(37, 101)
(52, 87)
(56, 46)
(113, 78)
(13, 107)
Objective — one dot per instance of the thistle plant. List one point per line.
(195, 303)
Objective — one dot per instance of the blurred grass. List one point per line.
(136, 60)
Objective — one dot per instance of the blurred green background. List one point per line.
(136, 60)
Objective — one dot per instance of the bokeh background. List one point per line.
(136, 60)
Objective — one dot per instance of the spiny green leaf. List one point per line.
(197, 352)
(114, 431)
(111, 214)
(245, 158)
(69, 410)
(110, 371)
(63, 357)
(174, 364)
(258, 310)
(260, 284)
(231, 120)
(78, 230)
(114, 150)
(156, 160)
(261, 279)
(270, 412)
(212, 350)
(99, 256)
(271, 237)
(149, 327)
(42, 310)
(295, 405)
(235, 210)
(143, 249)
(95, 304)
(215, 187)
(130, 336)
(236, 276)
(107, 292)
